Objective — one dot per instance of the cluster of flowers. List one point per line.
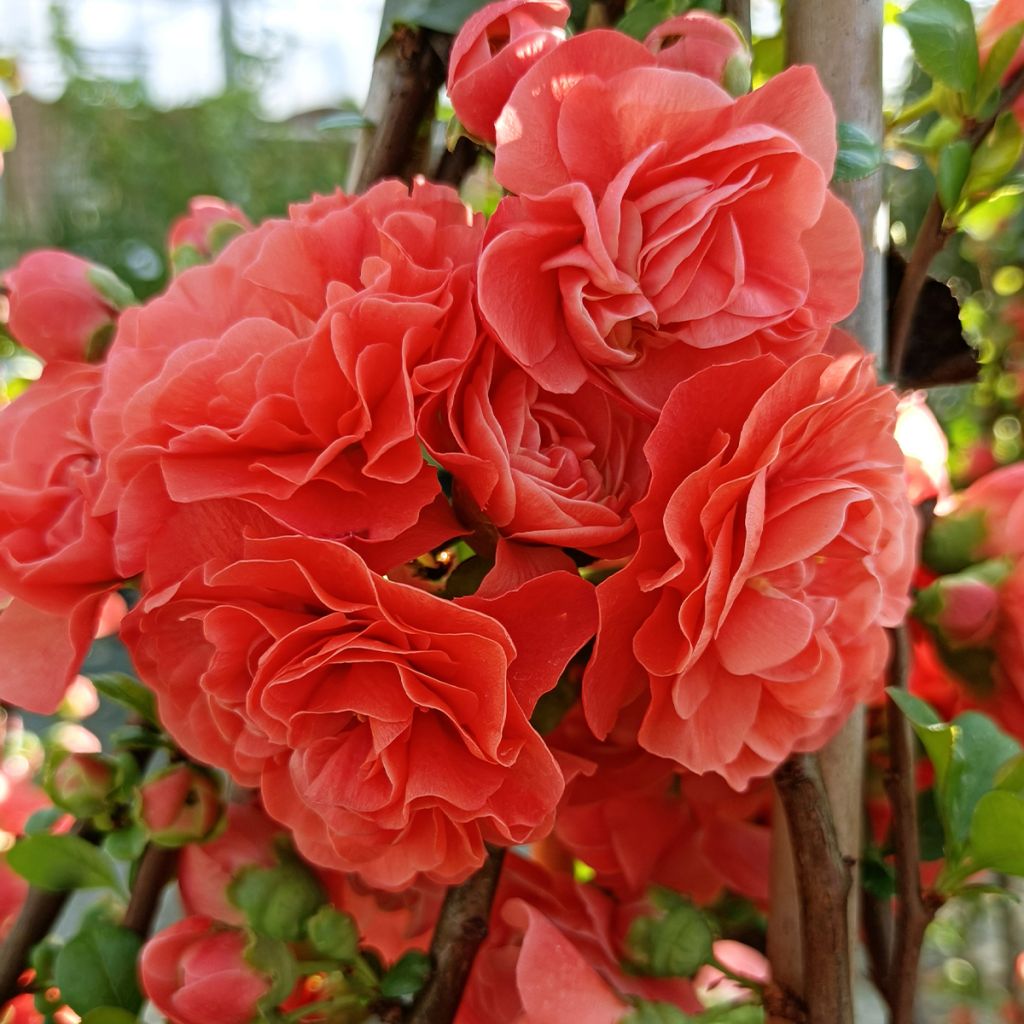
(392, 482)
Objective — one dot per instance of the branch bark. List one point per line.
(739, 11)
(407, 73)
(913, 912)
(932, 237)
(461, 929)
(823, 885)
(156, 868)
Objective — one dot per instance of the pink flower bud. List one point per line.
(205, 870)
(700, 43)
(195, 973)
(179, 805)
(82, 784)
(493, 51)
(969, 611)
(63, 307)
(207, 227)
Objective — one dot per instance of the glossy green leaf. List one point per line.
(954, 165)
(128, 692)
(97, 969)
(62, 862)
(674, 944)
(935, 735)
(859, 154)
(406, 978)
(997, 833)
(944, 40)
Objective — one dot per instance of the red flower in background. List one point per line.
(700, 230)
(492, 52)
(63, 307)
(776, 541)
(56, 554)
(201, 234)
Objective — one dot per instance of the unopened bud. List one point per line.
(82, 784)
(180, 805)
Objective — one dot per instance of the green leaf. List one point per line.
(997, 833)
(999, 58)
(97, 969)
(1011, 776)
(675, 944)
(657, 1013)
(42, 821)
(935, 735)
(769, 57)
(944, 40)
(274, 959)
(127, 843)
(128, 692)
(996, 156)
(109, 1015)
(277, 901)
(645, 15)
(859, 154)
(347, 120)
(406, 978)
(8, 134)
(111, 287)
(980, 750)
(439, 15)
(63, 862)
(467, 577)
(954, 164)
(334, 933)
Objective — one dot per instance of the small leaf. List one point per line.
(42, 821)
(406, 978)
(439, 15)
(997, 833)
(273, 959)
(944, 40)
(999, 58)
(97, 969)
(954, 163)
(996, 156)
(859, 154)
(1011, 776)
(644, 16)
(126, 844)
(935, 735)
(657, 1013)
(128, 692)
(334, 933)
(675, 944)
(277, 901)
(348, 120)
(109, 1015)
(63, 862)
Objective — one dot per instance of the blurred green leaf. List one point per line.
(277, 901)
(675, 944)
(8, 135)
(944, 40)
(62, 862)
(997, 833)
(859, 155)
(97, 968)
(954, 164)
(273, 959)
(996, 156)
(439, 15)
(999, 58)
(42, 821)
(334, 933)
(657, 1013)
(644, 16)
(406, 978)
(128, 692)
(109, 1015)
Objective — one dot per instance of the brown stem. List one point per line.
(913, 912)
(877, 917)
(407, 73)
(156, 868)
(461, 929)
(455, 164)
(739, 11)
(823, 881)
(932, 238)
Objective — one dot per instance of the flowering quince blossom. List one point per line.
(544, 468)
(554, 953)
(700, 230)
(287, 373)
(195, 973)
(493, 50)
(701, 43)
(776, 540)
(63, 307)
(56, 555)
(386, 727)
(207, 227)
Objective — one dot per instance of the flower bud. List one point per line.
(207, 869)
(702, 44)
(195, 972)
(81, 784)
(207, 227)
(63, 307)
(179, 805)
(964, 608)
(494, 49)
